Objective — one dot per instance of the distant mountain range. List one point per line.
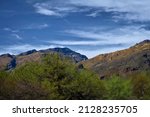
(8, 62)
(131, 60)
(123, 62)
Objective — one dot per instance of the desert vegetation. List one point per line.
(59, 78)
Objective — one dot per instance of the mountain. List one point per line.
(133, 59)
(5, 59)
(8, 61)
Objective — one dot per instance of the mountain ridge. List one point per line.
(8, 61)
(136, 58)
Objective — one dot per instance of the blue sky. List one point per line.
(90, 27)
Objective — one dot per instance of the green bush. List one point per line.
(118, 88)
(3, 77)
(85, 85)
(141, 85)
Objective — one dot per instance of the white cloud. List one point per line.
(57, 8)
(124, 37)
(112, 40)
(37, 26)
(43, 26)
(42, 9)
(47, 12)
(7, 29)
(17, 36)
(94, 14)
(10, 30)
(130, 9)
(133, 9)
(74, 43)
(127, 34)
(85, 34)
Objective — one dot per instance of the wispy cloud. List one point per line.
(17, 36)
(76, 43)
(43, 26)
(10, 30)
(131, 9)
(7, 29)
(57, 8)
(94, 14)
(125, 34)
(85, 34)
(37, 26)
(98, 41)
(42, 9)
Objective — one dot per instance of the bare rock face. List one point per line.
(76, 57)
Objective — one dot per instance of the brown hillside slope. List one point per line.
(9, 62)
(135, 58)
(5, 60)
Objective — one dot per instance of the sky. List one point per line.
(90, 27)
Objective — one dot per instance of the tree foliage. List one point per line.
(57, 77)
(118, 88)
(141, 85)
(54, 78)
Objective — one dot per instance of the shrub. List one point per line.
(141, 85)
(118, 88)
(3, 78)
(85, 86)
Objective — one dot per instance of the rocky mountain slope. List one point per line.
(133, 59)
(8, 61)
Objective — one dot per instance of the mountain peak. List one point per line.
(10, 61)
(77, 57)
(65, 50)
(6, 55)
(144, 42)
(28, 52)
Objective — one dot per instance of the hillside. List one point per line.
(8, 61)
(133, 59)
(58, 78)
